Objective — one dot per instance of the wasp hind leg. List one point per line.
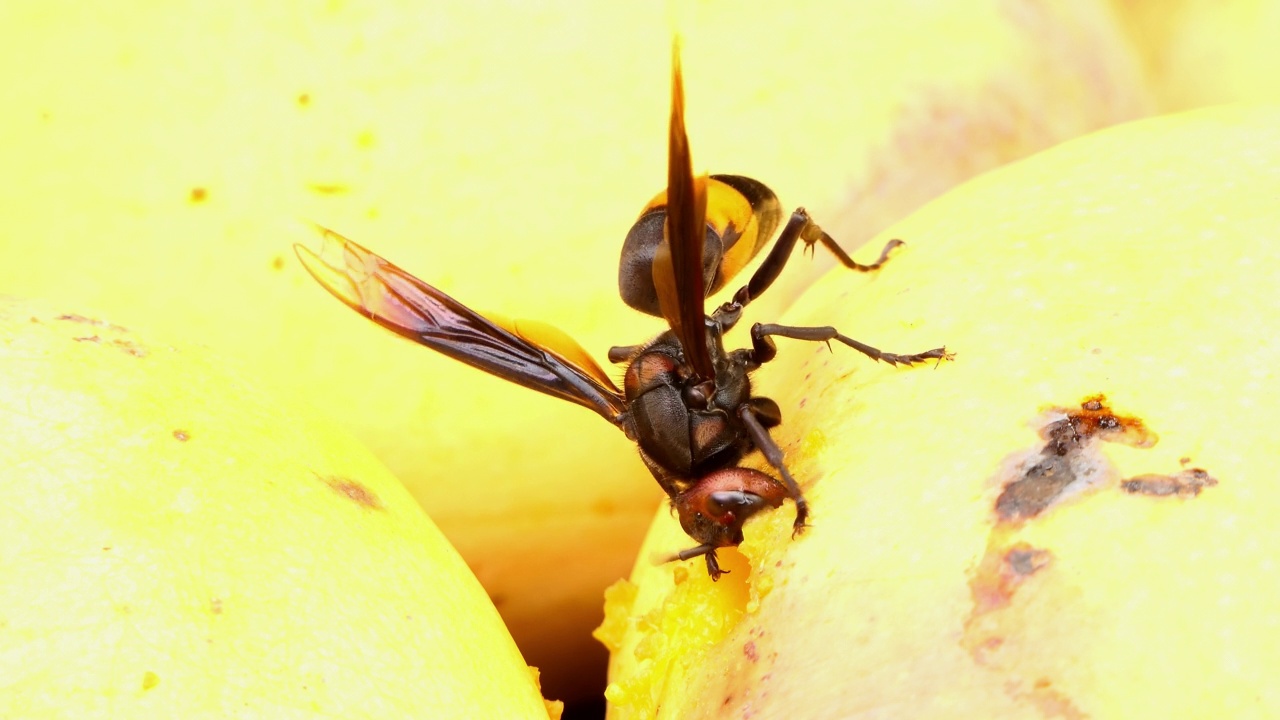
(763, 349)
(800, 227)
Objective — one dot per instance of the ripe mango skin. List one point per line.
(178, 543)
(1138, 263)
(158, 152)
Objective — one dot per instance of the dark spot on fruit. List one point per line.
(1185, 484)
(1001, 571)
(303, 99)
(354, 491)
(198, 195)
(498, 599)
(73, 317)
(215, 606)
(750, 651)
(181, 435)
(90, 338)
(129, 347)
(149, 680)
(277, 263)
(1069, 460)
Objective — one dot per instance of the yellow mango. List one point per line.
(179, 544)
(1074, 518)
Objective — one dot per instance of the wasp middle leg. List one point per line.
(763, 349)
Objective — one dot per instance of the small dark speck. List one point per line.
(73, 317)
(130, 348)
(277, 262)
(106, 548)
(89, 338)
(181, 435)
(354, 491)
(498, 599)
(215, 606)
(750, 651)
(303, 99)
(803, 402)
(198, 195)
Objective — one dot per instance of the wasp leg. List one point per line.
(763, 349)
(762, 440)
(800, 227)
(709, 551)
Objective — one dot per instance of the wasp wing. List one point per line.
(677, 264)
(534, 355)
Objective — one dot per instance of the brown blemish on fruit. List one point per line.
(215, 606)
(1069, 461)
(750, 651)
(1050, 702)
(277, 263)
(354, 491)
(73, 317)
(1001, 572)
(129, 347)
(198, 195)
(124, 344)
(303, 99)
(181, 435)
(1185, 484)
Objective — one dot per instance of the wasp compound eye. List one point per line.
(736, 503)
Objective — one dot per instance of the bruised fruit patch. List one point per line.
(1185, 484)
(1069, 462)
(1000, 572)
(354, 491)
(124, 344)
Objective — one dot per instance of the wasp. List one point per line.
(685, 400)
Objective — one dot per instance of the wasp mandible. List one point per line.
(685, 400)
